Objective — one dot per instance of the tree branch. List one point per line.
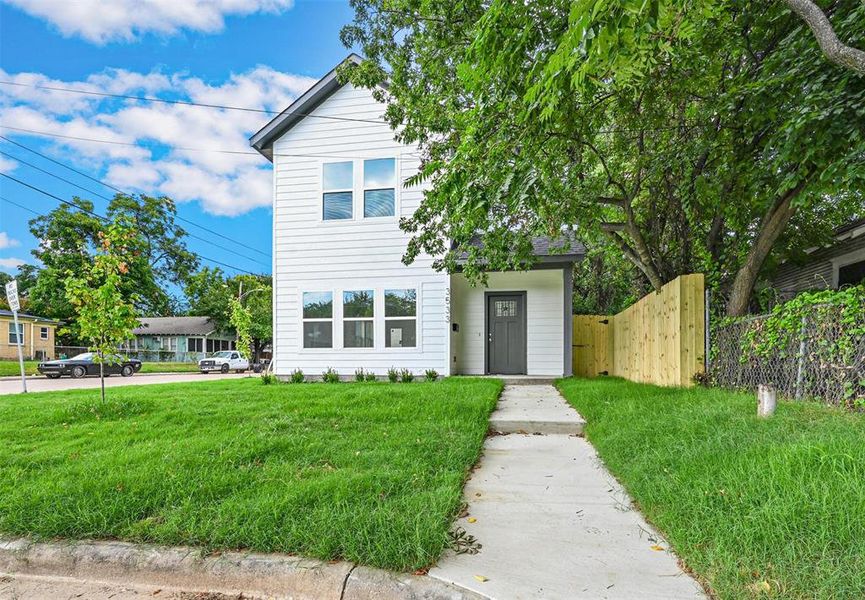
(834, 49)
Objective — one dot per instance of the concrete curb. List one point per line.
(259, 575)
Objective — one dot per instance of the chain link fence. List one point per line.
(819, 362)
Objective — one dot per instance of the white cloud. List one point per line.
(10, 265)
(100, 22)
(7, 242)
(148, 156)
(7, 165)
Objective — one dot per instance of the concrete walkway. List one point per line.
(551, 521)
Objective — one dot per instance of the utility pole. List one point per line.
(15, 305)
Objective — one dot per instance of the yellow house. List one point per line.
(37, 332)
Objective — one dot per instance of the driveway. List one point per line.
(12, 385)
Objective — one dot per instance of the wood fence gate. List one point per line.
(661, 339)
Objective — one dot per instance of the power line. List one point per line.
(21, 206)
(186, 148)
(106, 220)
(184, 102)
(98, 195)
(116, 189)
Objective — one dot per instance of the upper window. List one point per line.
(337, 185)
(400, 318)
(43, 333)
(851, 274)
(14, 339)
(379, 187)
(318, 319)
(358, 314)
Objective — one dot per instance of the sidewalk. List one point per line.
(552, 522)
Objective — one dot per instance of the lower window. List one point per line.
(358, 334)
(400, 333)
(318, 334)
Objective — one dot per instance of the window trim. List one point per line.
(19, 335)
(47, 332)
(357, 191)
(371, 319)
(844, 260)
(352, 190)
(416, 318)
(331, 320)
(197, 339)
(364, 189)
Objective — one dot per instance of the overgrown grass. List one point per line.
(757, 508)
(368, 472)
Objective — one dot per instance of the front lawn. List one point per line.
(11, 368)
(367, 472)
(169, 367)
(757, 508)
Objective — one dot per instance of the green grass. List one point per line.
(742, 500)
(10, 368)
(169, 367)
(365, 472)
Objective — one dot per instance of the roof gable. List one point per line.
(297, 110)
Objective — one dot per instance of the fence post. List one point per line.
(800, 369)
(767, 400)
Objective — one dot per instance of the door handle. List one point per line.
(490, 338)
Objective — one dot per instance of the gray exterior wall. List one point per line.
(819, 272)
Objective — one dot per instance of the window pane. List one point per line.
(506, 308)
(337, 176)
(317, 305)
(400, 333)
(336, 205)
(357, 304)
(357, 334)
(318, 334)
(379, 173)
(13, 339)
(852, 274)
(400, 303)
(378, 203)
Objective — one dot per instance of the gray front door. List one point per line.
(506, 333)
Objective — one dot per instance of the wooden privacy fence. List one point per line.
(661, 339)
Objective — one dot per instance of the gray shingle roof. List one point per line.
(561, 250)
(174, 326)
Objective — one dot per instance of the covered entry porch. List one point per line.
(518, 325)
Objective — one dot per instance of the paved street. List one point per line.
(10, 385)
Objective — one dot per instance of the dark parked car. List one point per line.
(83, 364)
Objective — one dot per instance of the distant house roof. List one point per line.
(25, 316)
(306, 103)
(175, 326)
(564, 249)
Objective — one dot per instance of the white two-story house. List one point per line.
(343, 297)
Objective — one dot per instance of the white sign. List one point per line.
(12, 295)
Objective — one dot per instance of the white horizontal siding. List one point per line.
(314, 255)
(544, 320)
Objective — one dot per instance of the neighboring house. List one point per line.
(177, 339)
(831, 267)
(37, 333)
(342, 296)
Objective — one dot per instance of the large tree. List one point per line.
(69, 238)
(690, 133)
(210, 293)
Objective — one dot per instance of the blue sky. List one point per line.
(250, 53)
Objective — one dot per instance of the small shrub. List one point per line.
(330, 376)
(297, 376)
(431, 374)
(392, 375)
(406, 376)
(268, 378)
(359, 375)
(370, 376)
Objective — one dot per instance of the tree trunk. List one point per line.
(102, 376)
(833, 48)
(772, 226)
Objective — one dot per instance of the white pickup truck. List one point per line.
(223, 361)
